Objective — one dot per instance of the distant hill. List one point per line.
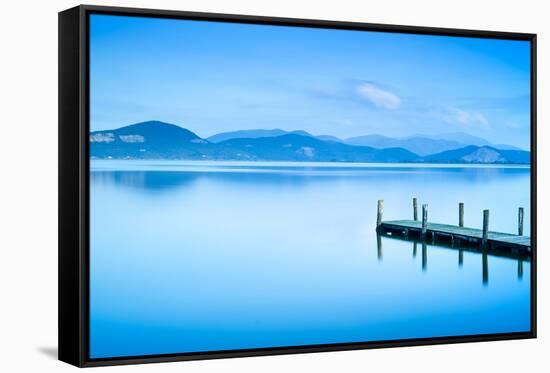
(252, 134)
(151, 139)
(154, 131)
(479, 154)
(419, 145)
(293, 147)
(425, 145)
(467, 139)
(461, 137)
(329, 138)
(159, 140)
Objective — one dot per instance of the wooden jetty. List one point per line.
(454, 234)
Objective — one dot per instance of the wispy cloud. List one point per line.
(512, 124)
(453, 115)
(378, 96)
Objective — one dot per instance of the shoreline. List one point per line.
(152, 164)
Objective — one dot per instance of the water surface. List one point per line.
(199, 256)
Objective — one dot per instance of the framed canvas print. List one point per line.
(239, 186)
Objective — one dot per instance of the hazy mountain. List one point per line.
(505, 147)
(293, 147)
(252, 134)
(467, 139)
(480, 154)
(462, 138)
(158, 140)
(377, 141)
(329, 138)
(419, 145)
(425, 145)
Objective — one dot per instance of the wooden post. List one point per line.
(461, 214)
(424, 256)
(485, 228)
(379, 246)
(380, 210)
(520, 221)
(520, 269)
(485, 270)
(414, 249)
(415, 209)
(424, 220)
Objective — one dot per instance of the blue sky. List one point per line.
(215, 77)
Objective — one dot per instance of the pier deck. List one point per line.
(453, 232)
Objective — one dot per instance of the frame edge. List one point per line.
(70, 346)
(307, 22)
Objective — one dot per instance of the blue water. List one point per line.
(198, 256)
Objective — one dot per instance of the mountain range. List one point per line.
(159, 140)
(418, 144)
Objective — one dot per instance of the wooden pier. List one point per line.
(454, 234)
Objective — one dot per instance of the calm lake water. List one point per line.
(198, 256)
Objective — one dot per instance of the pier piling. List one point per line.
(424, 220)
(379, 213)
(461, 214)
(520, 221)
(485, 234)
(415, 209)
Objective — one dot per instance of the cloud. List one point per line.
(513, 125)
(454, 115)
(378, 97)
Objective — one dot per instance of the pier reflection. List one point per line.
(520, 269)
(485, 254)
(379, 246)
(424, 256)
(485, 267)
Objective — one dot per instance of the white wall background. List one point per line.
(28, 184)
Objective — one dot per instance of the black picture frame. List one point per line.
(74, 184)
